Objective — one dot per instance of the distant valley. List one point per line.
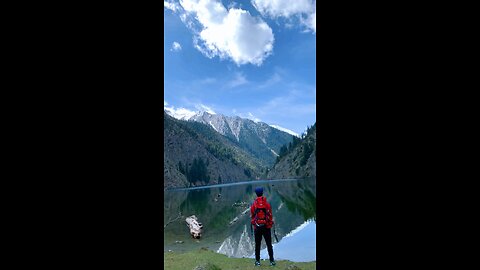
(207, 148)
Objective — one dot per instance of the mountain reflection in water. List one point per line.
(244, 247)
(224, 212)
(299, 246)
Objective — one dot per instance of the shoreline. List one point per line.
(230, 184)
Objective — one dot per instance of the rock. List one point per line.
(293, 267)
(239, 204)
(206, 266)
(195, 226)
(179, 242)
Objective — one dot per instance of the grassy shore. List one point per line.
(189, 260)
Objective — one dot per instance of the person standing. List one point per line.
(262, 221)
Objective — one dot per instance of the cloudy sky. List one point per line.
(254, 59)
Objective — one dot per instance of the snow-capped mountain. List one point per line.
(225, 125)
(180, 114)
(260, 139)
(195, 154)
(243, 247)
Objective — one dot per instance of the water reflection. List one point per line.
(299, 245)
(224, 212)
(244, 247)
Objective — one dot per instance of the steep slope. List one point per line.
(257, 138)
(298, 160)
(195, 154)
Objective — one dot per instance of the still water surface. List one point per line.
(224, 212)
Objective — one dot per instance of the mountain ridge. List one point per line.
(257, 138)
(195, 154)
(185, 114)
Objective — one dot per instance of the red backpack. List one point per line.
(261, 215)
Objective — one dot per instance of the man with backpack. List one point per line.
(262, 221)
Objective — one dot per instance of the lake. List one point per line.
(224, 211)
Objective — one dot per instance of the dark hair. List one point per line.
(259, 191)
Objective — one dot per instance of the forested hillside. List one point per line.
(195, 154)
(298, 158)
(256, 138)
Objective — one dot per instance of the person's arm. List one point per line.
(270, 213)
(252, 211)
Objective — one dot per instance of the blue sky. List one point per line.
(255, 59)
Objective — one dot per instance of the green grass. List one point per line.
(189, 260)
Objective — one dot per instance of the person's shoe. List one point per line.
(272, 263)
(257, 263)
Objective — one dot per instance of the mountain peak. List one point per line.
(186, 114)
(181, 113)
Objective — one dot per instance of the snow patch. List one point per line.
(285, 130)
(243, 248)
(235, 126)
(180, 113)
(202, 108)
(213, 126)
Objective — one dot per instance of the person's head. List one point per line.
(259, 191)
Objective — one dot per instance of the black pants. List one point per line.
(266, 233)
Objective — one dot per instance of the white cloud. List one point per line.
(229, 34)
(180, 113)
(237, 81)
(295, 103)
(202, 107)
(275, 78)
(208, 81)
(248, 115)
(304, 9)
(184, 113)
(313, 21)
(176, 47)
(170, 5)
(285, 8)
(253, 117)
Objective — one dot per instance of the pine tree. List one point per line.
(180, 167)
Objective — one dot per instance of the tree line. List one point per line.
(196, 172)
(309, 146)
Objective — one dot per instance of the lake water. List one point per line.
(224, 211)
